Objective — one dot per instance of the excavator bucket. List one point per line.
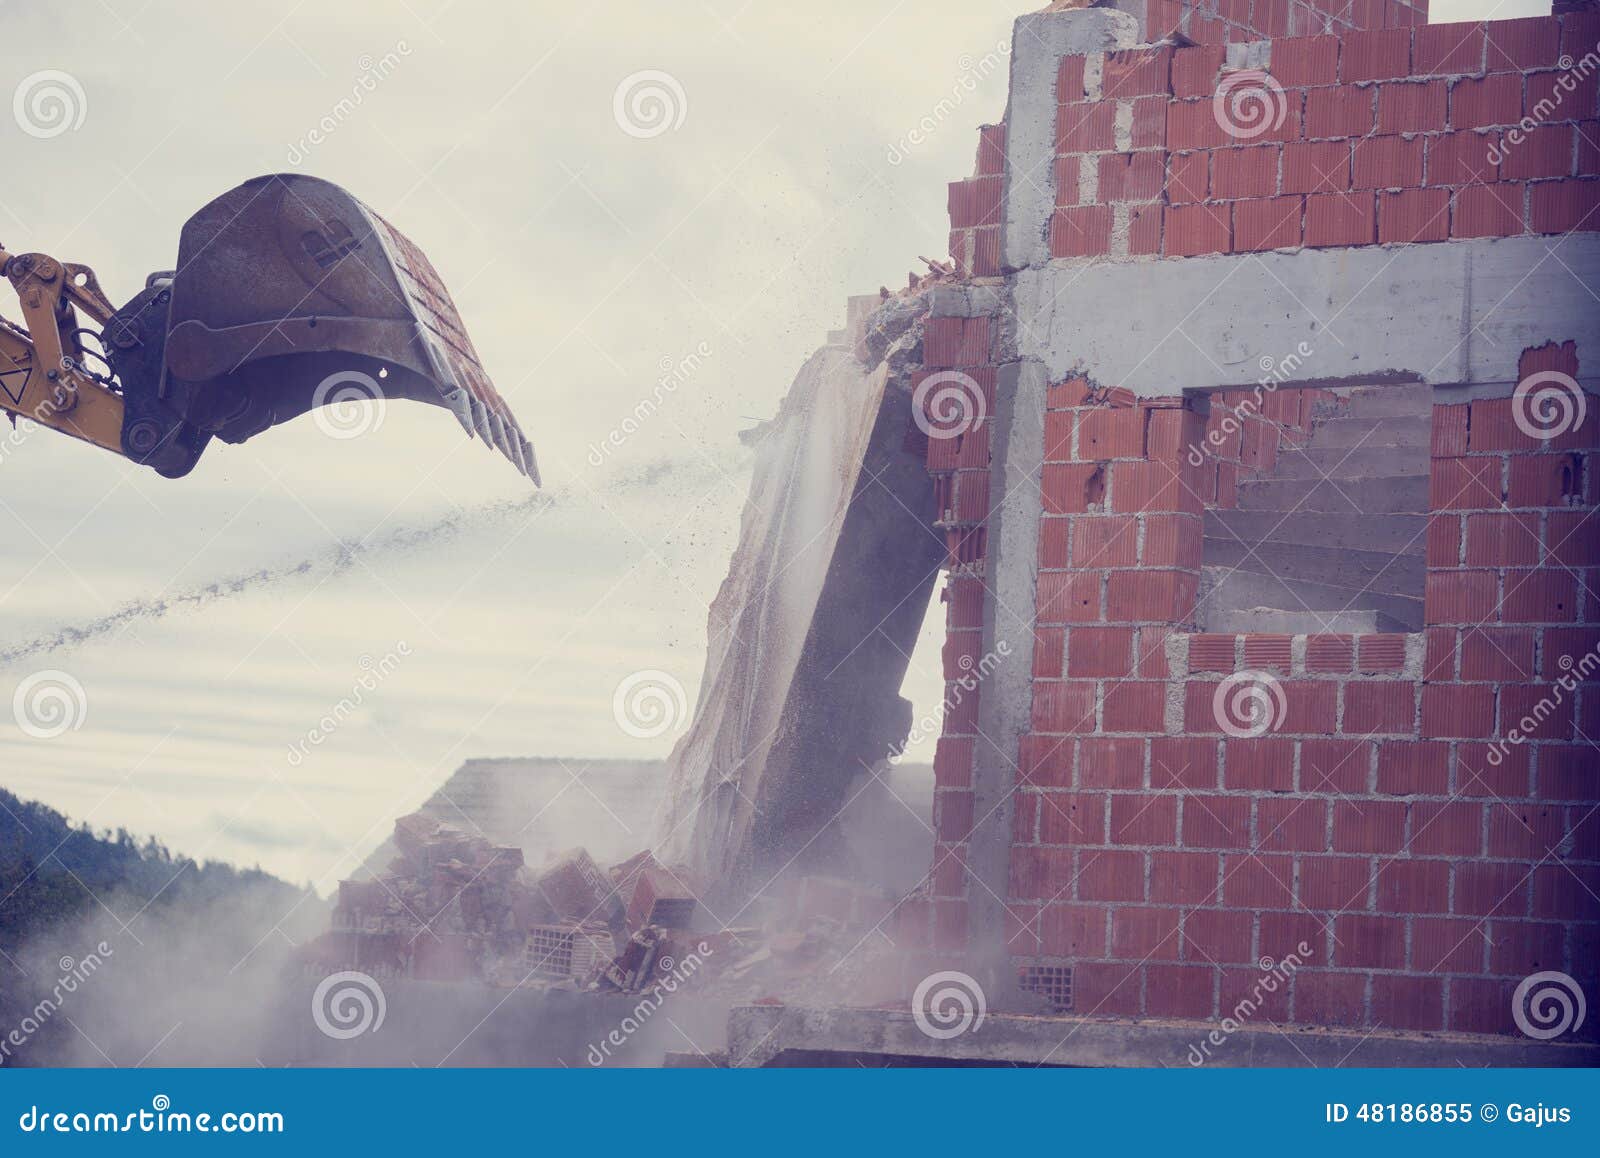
(290, 294)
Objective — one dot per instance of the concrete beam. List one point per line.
(759, 1034)
(1452, 314)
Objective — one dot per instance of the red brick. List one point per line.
(1440, 945)
(1072, 818)
(1086, 127)
(1529, 832)
(1187, 177)
(1449, 48)
(1132, 176)
(1067, 169)
(1067, 394)
(1136, 72)
(1290, 824)
(1134, 706)
(1446, 828)
(1543, 596)
(1111, 876)
(1340, 219)
(1546, 94)
(1171, 541)
(1073, 930)
(1069, 79)
(1262, 765)
(1534, 712)
(1488, 211)
(1375, 55)
(1334, 766)
(1378, 707)
(1563, 206)
(1411, 107)
(1309, 706)
(1444, 540)
(1413, 215)
(1304, 935)
(1139, 487)
(1546, 151)
(1152, 596)
(1565, 648)
(1179, 991)
(1387, 163)
(1566, 892)
(1195, 229)
(1249, 172)
(1193, 125)
(1188, 878)
(1107, 988)
(1451, 710)
(1071, 490)
(1145, 933)
(1104, 541)
(1330, 653)
(1316, 166)
(1462, 158)
(1574, 538)
(1045, 761)
(1464, 484)
(1414, 1003)
(1183, 762)
(1414, 886)
(1334, 999)
(1490, 889)
(1477, 102)
(1216, 936)
(1039, 872)
(1063, 707)
(1149, 127)
(1412, 768)
(1369, 942)
(1523, 947)
(1111, 762)
(1499, 654)
(975, 202)
(1381, 652)
(1100, 651)
(1216, 822)
(1503, 540)
(1504, 778)
(1273, 223)
(1334, 883)
(1257, 882)
(1531, 42)
(1341, 111)
(1369, 825)
(1081, 231)
(1106, 433)
(1305, 60)
(1194, 70)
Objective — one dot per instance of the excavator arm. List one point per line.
(289, 295)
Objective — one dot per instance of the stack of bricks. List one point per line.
(1395, 135)
(975, 208)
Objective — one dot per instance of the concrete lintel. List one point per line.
(1038, 42)
(757, 1034)
(1451, 313)
(966, 300)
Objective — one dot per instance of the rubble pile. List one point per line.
(455, 907)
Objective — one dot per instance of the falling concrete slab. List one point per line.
(812, 630)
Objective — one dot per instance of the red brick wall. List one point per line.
(1399, 135)
(1220, 21)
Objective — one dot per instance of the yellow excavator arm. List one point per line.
(289, 295)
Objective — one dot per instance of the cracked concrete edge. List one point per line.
(1038, 42)
(757, 1034)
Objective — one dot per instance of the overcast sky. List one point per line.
(583, 257)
